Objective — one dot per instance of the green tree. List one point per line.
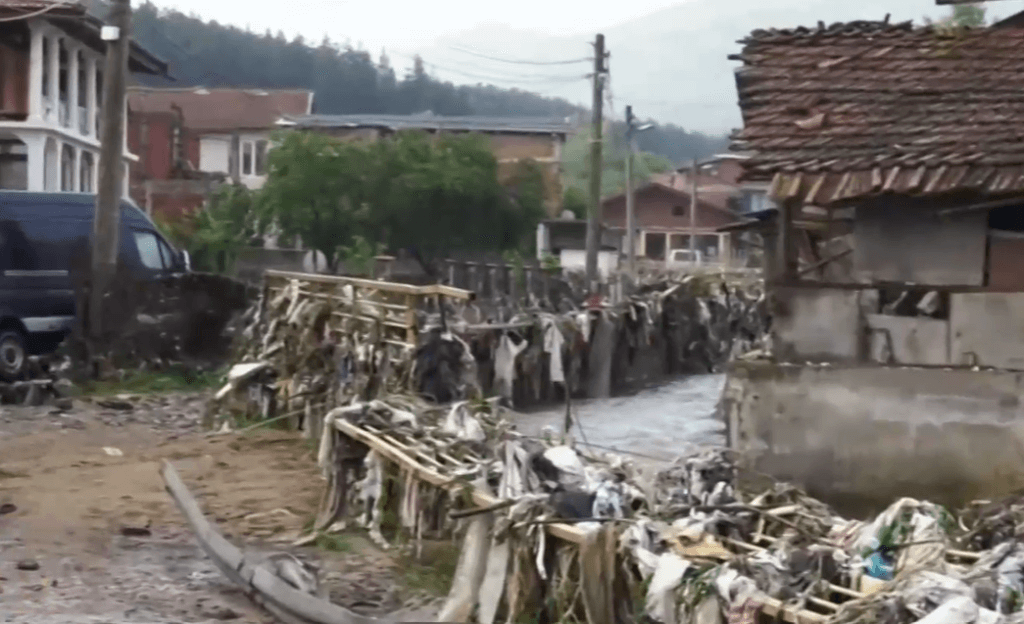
(576, 165)
(435, 194)
(316, 190)
(970, 15)
(214, 234)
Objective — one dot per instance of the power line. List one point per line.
(520, 62)
(563, 79)
(56, 5)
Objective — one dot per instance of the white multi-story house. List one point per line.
(51, 92)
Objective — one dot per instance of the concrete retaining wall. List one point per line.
(859, 437)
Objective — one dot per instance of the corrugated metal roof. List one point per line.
(427, 121)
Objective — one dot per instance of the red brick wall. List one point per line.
(654, 209)
(14, 93)
(173, 207)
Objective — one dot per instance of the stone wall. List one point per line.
(858, 437)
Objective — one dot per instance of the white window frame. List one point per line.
(252, 144)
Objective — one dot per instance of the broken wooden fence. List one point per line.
(597, 571)
(389, 305)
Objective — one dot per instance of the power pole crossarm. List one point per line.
(596, 165)
(111, 164)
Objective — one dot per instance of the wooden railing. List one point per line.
(368, 302)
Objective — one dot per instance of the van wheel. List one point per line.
(13, 354)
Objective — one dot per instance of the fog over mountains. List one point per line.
(671, 65)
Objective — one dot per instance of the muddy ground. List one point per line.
(88, 533)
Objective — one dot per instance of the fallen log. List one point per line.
(262, 586)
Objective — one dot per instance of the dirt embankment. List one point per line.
(88, 534)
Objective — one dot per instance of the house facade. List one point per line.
(663, 223)
(903, 375)
(52, 96)
(512, 139)
(189, 140)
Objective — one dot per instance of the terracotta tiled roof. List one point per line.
(222, 110)
(852, 110)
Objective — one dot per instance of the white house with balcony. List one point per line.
(51, 97)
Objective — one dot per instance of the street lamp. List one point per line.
(631, 130)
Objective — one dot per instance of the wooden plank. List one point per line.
(391, 287)
(562, 531)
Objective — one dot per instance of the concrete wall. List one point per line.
(987, 329)
(901, 244)
(817, 325)
(862, 437)
(908, 340)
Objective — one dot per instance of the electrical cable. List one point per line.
(56, 5)
(520, 62)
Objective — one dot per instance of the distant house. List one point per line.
(566, 240)
(663, 222)
(188, 138)
(51, 95)
(513, 139)
(719, 182)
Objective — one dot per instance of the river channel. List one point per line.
(659, 423)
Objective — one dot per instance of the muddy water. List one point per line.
(659, 423)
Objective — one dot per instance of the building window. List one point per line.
(253, 158)
(654, 245)
(247, 158)
(678, 211)
(261, 158)
(46, 67)
(67, 169)
(85, 172)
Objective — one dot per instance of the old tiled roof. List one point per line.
(223, 110)
(429, 121)
(844, 112)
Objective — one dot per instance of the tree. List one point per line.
(315, 190)
(214, 234)
(435, 194)
(969, 15)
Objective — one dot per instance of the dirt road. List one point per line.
(88, 534)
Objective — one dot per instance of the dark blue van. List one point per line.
(43, 238)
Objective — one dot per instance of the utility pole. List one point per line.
(693, 213)
(596, 164)
(630, 199)
(111, 168)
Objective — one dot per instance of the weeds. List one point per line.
(152, 382)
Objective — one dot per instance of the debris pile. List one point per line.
(306, 350)
(550, 527)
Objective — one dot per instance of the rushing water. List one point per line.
(660, 423)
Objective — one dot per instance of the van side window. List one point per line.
(165, 251)
(149, 250)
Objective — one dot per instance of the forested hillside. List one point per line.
(348, 80)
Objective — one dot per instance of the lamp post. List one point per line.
(631, 130)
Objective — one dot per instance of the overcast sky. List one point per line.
(407, 24)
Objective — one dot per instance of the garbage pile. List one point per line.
(554, 528)
(303, 352)
(695, 324)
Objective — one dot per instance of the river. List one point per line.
(659, 423)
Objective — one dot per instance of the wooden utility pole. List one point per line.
(630, 200)
(693, 213)
(111, 167)
(596, 165)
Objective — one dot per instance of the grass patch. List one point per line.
(434, 576)
(333, 543)
(151, 382)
